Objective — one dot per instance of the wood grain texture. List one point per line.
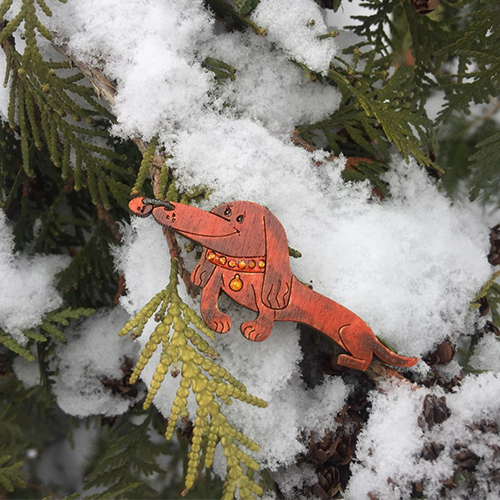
(245, 255)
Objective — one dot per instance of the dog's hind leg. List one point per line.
(358, 344)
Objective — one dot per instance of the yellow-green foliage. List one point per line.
(42, 108)
(184, 352)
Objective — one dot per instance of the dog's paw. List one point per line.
(217, 321)
(257, 331)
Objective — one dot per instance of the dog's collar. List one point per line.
(244, 265)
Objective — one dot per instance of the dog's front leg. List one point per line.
(260, 328)
(216, 320)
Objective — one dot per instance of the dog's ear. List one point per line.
(202, 271)
(277, 285)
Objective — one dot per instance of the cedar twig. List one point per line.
(105, 216)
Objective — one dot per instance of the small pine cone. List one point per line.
(494, 255)
(417, 490)
(485, 426)
(489, 327)
(328, 484)
(431, 451)
(465, 459)
(344, 451)
(434, 412)
(425, 6)
(441, 356)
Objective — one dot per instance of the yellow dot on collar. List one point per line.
(210, 256)
(236, 284)
(231, 263)
(262, 264)
(242, 264)
(222, 260)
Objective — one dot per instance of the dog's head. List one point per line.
(237, 229)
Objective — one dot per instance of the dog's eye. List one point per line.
(227, 212)
(240, 218)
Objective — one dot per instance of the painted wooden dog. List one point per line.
(245, 254)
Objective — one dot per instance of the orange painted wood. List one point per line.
(245, 255)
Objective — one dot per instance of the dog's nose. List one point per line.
(158, 203)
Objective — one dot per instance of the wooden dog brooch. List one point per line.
(245, 255)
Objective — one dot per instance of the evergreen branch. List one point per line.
(11, 344)
(484, 167)
(118, 470)
(90, 277)
(11, 475)
(44, 99)
(185, 352)
(145, 166)
(389, 111)
(484, 290)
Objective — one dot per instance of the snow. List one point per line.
(93, 352)
(4, 91)
(29, 285)
(26, 371)
(146, 272)
(162, 84)
(486, 354)
(389, 448)
(295, 28)
(421, 255)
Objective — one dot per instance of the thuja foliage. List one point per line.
(42, 95)
(10, 473)
(188, 355)
(124, 473)
(52, 325)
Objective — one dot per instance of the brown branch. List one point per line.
(351, 163)
(105, 216)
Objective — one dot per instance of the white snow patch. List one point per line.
(487, 354)
(93, 352)
(28, 372)
(4, 91)
(29, 291)
(389, 450)
(162, 84)
(295, 27)
(144, 260)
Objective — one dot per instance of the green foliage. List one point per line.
(20, 408)
(52, 325)
(90, 278)
(220, 69)
(381, 108)
(126, 456)
(485, 172)
(186, 353)
(145, 166)
(44, 110)
(491, 290)
(476, 48)
(11, 475)
(14, 346)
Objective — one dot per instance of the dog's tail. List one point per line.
(389, 357)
